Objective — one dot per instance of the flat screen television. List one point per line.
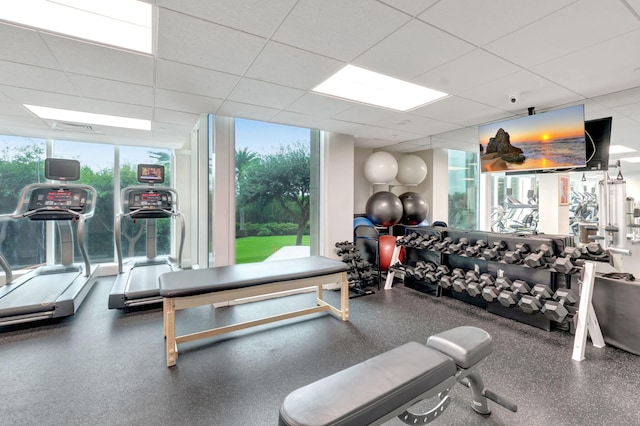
(598, 133)
(552, 140)
(61, 169)
(150, 173)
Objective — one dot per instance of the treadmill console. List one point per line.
(150, 203)
(55, 203)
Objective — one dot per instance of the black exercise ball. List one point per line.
(384, 208)
(415, 208)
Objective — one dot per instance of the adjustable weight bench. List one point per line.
(190, 288)
(387, 385)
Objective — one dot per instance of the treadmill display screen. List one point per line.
(62, 198)
(146, 203)
(51, 203)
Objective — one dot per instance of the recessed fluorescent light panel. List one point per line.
(121, 23)
(89, 118)
(619, 149)
(357, 84)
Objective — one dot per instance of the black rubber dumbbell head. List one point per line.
(555, 309)
(531, 303)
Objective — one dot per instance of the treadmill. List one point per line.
(51, 291)
(137, 282)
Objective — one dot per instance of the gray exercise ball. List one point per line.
(384, 208)
(415, 208)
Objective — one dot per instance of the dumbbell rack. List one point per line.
(361, 273)
(439, 256)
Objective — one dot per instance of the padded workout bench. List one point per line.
(387, 385)
(190, 288)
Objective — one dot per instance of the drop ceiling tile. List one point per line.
(12, 109)
(365, 114)
(391, 135)
(252, 16)
(116, 108)
(270, 95)
(187, 102)
(111, 90)
(24, 45)
(289, 66)
(415, 124)
(457, 110)
(195, 80)
(248, 111)
(175, 117)
(616, 99)
(100, 61)
(534, 91)
(589, 71)
(482, 22)
(338, 29)
(296, 119)
(42, 98)
(189, 40)
(412, 50)
(564, 32)
(319, 105)
(38, 78)
(412, 7)
(454, 76)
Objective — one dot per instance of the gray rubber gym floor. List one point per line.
(104, 367)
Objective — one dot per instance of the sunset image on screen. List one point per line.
(551, 140)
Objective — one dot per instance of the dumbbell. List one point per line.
(458, 247)
(434, 276)
(530, 303)
(565, 264)
(490, 292)
(493, 252)
(406, 239)
(442, 245)
(428, 241)
(460, 284)
(446, 281)
(509, 298)
(476, 249)
(422, 268)
(475, 288)
(555, 309)
(516, 256)
(536, 260)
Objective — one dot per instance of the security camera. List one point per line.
(514, 97)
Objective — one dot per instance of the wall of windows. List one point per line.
(273, 188)
(24, 242)
(463, 190)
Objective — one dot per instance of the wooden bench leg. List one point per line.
(344, 297)
(170, 331)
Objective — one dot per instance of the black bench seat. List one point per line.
(366, 392)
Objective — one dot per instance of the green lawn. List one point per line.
(257, 249)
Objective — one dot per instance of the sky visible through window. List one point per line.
(265, 138)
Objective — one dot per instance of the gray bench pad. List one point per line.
(367, 391)
(200, 281)
(467, 345)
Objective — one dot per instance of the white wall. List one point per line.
(553, 218)
(337, 191)
(362, 187)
